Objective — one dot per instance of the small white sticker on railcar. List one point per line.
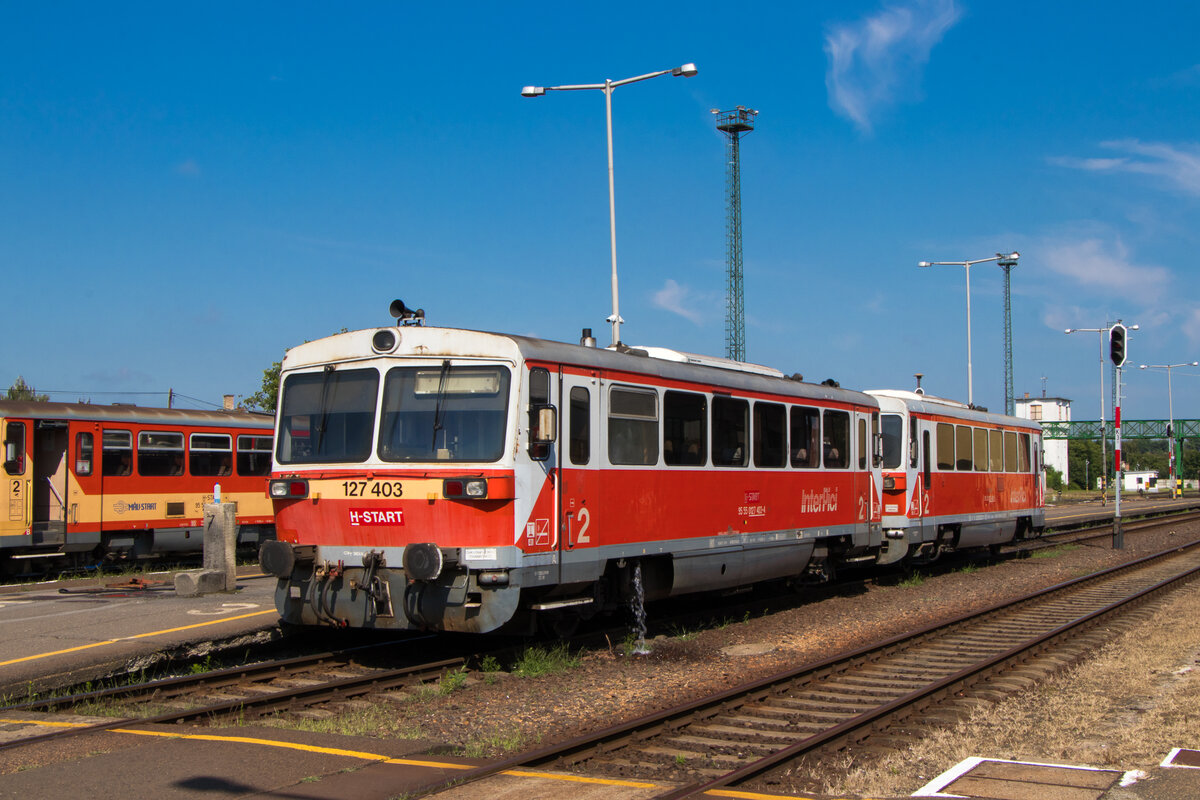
(480, 554)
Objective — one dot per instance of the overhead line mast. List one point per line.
(733, 124)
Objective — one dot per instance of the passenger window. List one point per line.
(14, 448)
(996, 450)
(1023, 453)
(945, 446)
(580, 425)
(981, 449)
(685, 429)
(84, 444)
(254, 455)
(962, 448)
(210, 454)
(1010, 451)
(835, 445)
(160, 453)
(632, 426)
(862, 444)
(116, 457)
(770, 435)
(730, 420)
(806, 438)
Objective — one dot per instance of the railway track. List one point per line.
(877, 697)
(253, 690)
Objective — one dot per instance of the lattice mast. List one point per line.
(734, 124)
(1010, 406)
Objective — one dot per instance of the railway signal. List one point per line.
(1116, 344)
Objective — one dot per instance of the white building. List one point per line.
(1048, 409)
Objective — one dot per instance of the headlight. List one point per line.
(287, 488)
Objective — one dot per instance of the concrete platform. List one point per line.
(57, 634)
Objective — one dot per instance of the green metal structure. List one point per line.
(734, 124)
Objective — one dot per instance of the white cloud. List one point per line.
(1177, 165)
(1096, 264)
(679, 300)
(1191, 327)
(876, 61)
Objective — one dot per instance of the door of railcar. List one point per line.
(579, 473)
(18, 477)
(50, 482)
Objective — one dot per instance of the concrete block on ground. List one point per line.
(196, 582)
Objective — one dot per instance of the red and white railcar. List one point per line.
(459, 480)
(955, 476)
(84, 482)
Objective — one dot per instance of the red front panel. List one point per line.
(393, 510)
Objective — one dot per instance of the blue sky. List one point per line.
(186, 190)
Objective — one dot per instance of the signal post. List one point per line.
(1116, 351)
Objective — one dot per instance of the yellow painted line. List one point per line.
(307, 748)
(410, 762)
(135, 636)
(579, 779)
(751, 795)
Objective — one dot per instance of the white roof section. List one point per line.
(668, 354)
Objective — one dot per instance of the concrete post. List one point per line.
(219, 573)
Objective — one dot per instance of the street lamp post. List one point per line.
(1170, 416)
(1011, 260)
(686, 71)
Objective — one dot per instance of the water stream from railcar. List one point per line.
(639, 612)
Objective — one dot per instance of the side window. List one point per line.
(539, 396)
(632, 426)
(945, 446)
(160, 453)
(862, 444)
(1023, 453)
(893, 440)
(1010, 451)
(685, 429)
(770, 435)
(981, 449)
(836, 443)
(806, 438)
(14, 448)
(254, 455)
(730, 420)
(963, 459)
(210, 454)
(914, 449)
(579, 422)
(84, 448)
(996, 449)
(116, 453)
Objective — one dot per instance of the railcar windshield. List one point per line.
(446, 413)
(327, 417)
(893, 442)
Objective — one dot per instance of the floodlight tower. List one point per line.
(733, 124)
(1007, 263)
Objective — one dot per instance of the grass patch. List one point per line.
(1054, 552)
(913, 580)
(536, 661)
(494, 742)
(453, 680)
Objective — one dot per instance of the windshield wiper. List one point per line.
(438, 411)
(324, 423)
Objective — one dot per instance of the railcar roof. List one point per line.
(356, 345)
(133, 414)
(929, 404)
